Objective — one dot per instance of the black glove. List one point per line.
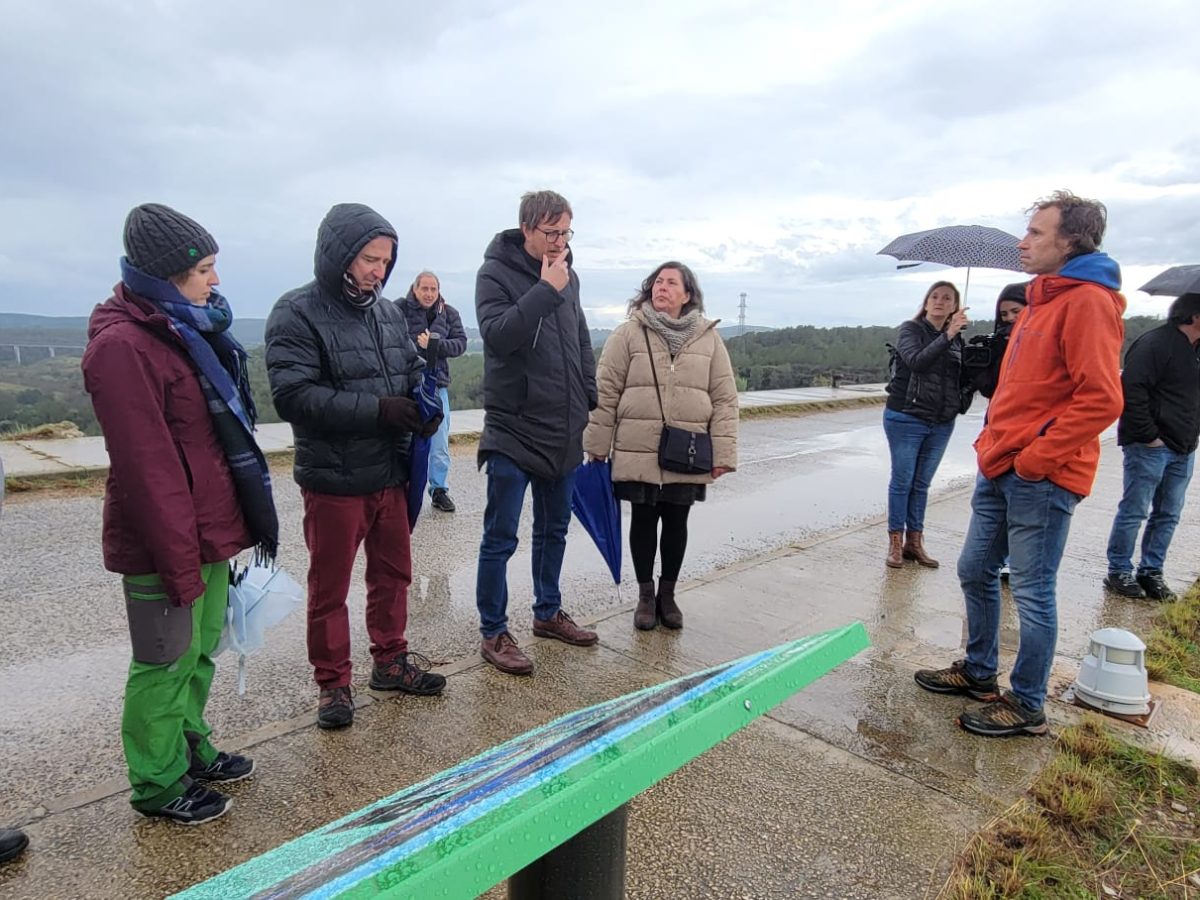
(400, 413)
(429, 429)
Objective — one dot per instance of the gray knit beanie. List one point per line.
(162, 242)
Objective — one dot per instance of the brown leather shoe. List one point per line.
(503, 653)
(914, 548)
(895, 556)
(563, 628)
(669, 612)
(645, 617)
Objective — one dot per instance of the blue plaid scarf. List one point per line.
(220, 363)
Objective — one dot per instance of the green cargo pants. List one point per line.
(163, 727)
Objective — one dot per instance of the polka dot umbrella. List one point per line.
(971, 246)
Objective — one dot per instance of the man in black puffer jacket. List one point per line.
(342, 370)
(539, 383)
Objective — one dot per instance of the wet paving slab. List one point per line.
(861, 785)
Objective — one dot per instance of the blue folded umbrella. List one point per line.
(430, 403)
(596, 508)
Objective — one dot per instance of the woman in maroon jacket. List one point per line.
(188, 489)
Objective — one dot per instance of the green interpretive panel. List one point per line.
(472, 826)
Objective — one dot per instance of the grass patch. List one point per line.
(1102, 819)
(52, 431)
(1173, 651)
(792, 410)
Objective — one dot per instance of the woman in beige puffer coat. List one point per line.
(698, 393)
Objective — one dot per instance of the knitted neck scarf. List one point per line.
(676, 332)
(220, 363)
(356, 296)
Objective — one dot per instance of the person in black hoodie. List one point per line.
(539, 384)
(436, 328)
(342, 369)
(1158, 433)
(923, 401)
(1009, 305)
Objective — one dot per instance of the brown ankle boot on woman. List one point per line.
(645, 617)
(668, 612)
(914, 548)
(894, 558)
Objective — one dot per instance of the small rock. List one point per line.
(1178, 807)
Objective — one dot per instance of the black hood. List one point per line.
(345, 230)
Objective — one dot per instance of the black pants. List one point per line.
(643, 538)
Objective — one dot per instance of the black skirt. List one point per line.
(680, 494)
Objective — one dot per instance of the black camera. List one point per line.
(978, 352)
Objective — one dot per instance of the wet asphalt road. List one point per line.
(65, 653)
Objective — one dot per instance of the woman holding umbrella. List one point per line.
(923, 400)
(664, 370)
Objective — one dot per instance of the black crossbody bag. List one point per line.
(679, 450)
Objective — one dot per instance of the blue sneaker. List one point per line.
(226, 767)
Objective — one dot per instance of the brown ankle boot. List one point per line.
(894, 558)
(914, 548)
(668, 612)
(645, 617)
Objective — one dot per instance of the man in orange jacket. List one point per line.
(1059, 388)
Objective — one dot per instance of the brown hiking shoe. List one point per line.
(563, 628)
(503, 653)
(409, 673)
(335, 708)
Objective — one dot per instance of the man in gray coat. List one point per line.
(539, 385)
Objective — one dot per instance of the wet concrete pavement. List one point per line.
(858, 786)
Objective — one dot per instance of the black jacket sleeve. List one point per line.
(295, 373)
(587, 361)
(455, 343)
(1143, 369)
(917, 356)
(508, 325)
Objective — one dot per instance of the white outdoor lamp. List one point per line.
(1112, 677)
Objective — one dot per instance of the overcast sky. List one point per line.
(774, 147)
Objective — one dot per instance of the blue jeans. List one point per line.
(1027, 521)
(1156, 480)
(506, 484)
(917, 449)
(439, 447)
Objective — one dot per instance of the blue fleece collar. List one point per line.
(1098, 268)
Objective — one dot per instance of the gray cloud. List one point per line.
(706, 137)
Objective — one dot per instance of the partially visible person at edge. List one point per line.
(342, 369)
(923, 401)
(688, 383)
(436, 328)
(1158, 434)
(1060, 387)
(1009, 306)
(187, 490)
(539, 383)
(13, 841)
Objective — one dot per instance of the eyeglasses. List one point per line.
(553, 236)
